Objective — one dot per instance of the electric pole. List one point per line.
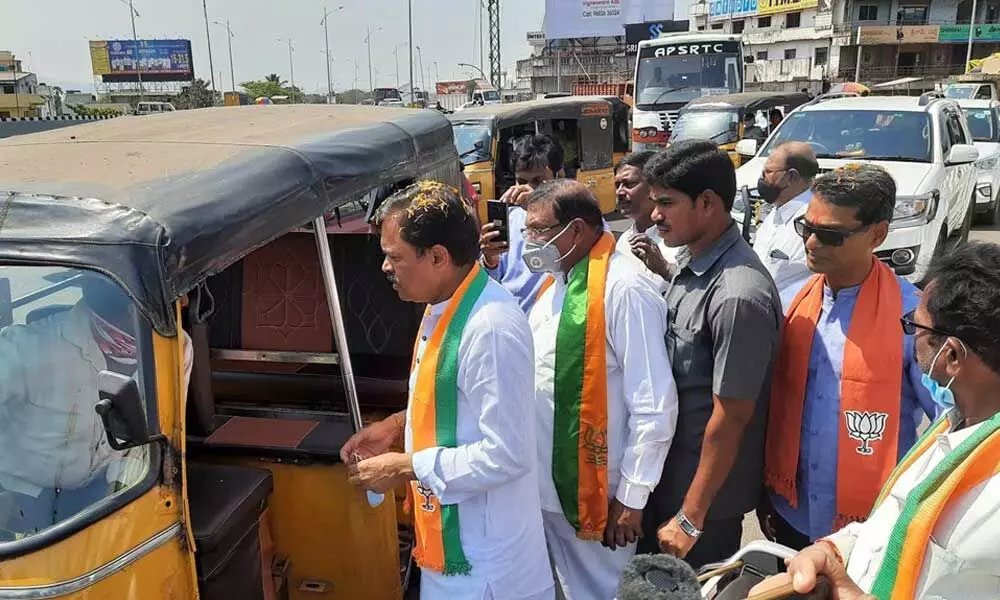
(208, 38)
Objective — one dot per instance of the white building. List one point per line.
(791, 41)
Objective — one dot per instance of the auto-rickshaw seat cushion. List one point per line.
(225, 501)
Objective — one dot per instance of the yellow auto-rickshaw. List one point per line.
(722, 119)
(594, 130)
(228, 247)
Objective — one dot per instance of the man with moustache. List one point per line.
(605, 405)
(469, 451)
(641, 240)
(722, 334)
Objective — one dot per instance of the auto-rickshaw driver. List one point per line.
(55, 459)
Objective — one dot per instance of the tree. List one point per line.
(271, 86)
(275, 78)
(197, 95)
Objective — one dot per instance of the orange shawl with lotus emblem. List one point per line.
(871, 385)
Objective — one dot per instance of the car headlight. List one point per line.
(915, 210)
(988, 164)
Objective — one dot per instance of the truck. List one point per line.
(387, 97)
(455, 95)
(982, 82)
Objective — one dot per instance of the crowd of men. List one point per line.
(575, 399)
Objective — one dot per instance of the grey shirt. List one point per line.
(722, 338)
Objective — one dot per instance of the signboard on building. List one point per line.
(960, 33)
(773, 7)
(637, 32)
(600, 18)
(159, 60)
(536, 37)
(903, 34)
(725, 9)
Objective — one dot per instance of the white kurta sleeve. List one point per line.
(844, 539)
(637, 321)
(496, 344)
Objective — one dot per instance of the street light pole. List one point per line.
(232, 72)
(409, 4)
(371, 79)
(972, 33)
(326, 31)
(208, 38)
(291, 68)
(423, 82)
(138, 62)
(476, 68)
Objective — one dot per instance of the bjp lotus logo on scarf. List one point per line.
(426, 493)
(866, 427)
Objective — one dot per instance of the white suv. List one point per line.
(983, 117)
(923, 142)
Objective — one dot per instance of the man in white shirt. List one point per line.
(605, 400)
(642, 241)
(469, 450)
(55, 460)
(785, 185)
(935, 531)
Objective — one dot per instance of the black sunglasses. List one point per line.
(828, 237)
(910, 326)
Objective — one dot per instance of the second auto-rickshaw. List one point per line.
(139, 254)
(593, 131)
(722, 119)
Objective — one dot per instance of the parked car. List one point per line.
(924, 143)
(153, 108)
(983, 117)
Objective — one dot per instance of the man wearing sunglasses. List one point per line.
(935, 529)
(846, 399)
(605, 404)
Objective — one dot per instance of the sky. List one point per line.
(51, 37)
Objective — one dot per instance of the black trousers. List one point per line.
(777, 529)
(719, 540)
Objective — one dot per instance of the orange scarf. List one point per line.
(580, 394)
(871, 387)
(434, 422)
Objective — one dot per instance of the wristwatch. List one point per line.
(687, 526)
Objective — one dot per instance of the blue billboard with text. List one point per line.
(155, 60)
(719, 9)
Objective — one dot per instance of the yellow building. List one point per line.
(19, 95)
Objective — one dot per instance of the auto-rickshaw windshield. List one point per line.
(718, 126)
(59, 329)
(466, 137)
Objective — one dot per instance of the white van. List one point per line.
(924, 143)
(153, 108)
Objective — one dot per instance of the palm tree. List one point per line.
(275, 78)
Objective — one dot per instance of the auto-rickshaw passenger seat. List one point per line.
(227, 503)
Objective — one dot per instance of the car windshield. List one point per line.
(718, 126)
(466, 137)
(680, 79)
(967, 91)
(491, 96)
(869, 134)
(59, 329)
(982, 124)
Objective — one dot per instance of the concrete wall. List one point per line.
(10, 128)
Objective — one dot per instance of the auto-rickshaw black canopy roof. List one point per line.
(567, 107)
(748, 100)
(162, 202)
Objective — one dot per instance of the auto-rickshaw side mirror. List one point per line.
(6, 303)
(121, 410)
(747, 147)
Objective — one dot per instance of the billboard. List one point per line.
(158, 60)
(724, 9)
(904, 34)
(773, 7)
(637, 32)
(600, 18)
(443, 88)
(960, 33)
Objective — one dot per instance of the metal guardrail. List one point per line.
(881, 74)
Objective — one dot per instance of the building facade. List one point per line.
(19, 93)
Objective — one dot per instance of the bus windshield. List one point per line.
(679, 79)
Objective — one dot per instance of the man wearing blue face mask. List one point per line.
(935, 529)
(605, 399)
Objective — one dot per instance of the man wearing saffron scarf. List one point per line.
(605, 401)
(469, 456)
(935, 529)
(846, 399)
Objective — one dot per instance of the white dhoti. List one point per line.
(434, 586)
(584, 570)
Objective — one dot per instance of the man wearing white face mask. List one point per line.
(935, 530)
(605, 399)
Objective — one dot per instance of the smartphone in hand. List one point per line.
(496, 213)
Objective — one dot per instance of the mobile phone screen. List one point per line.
(496, 213)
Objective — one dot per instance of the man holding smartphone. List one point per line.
(535, 160)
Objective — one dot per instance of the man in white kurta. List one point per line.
(489, 473)
(642, 410)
